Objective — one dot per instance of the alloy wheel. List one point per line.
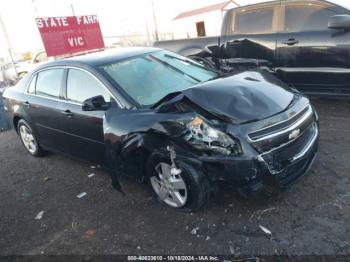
(28, 139)
(169, 186)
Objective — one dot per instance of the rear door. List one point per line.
(311, 57)
(83, 129)
(42, 105)
(250, 36)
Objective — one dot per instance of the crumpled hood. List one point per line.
(246, 96)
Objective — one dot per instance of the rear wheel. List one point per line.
(29, 140)
(184, 189)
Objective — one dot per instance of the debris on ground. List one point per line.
(93, 167)
(47, 178)
(26, 194)
(259, 213)
(194, 231)
(91, 175)
(232, 250)
(207, 238)
(39, 215)
(74, 226)
(265, 230)
(81, 195)
(90, 232)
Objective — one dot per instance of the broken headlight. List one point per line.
(204, 137)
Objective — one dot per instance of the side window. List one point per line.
(253, 21)
(307, 18)
(31, 87)
(81, 86)
(49, 82)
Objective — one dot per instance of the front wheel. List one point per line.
(28, 138)
(186, 191)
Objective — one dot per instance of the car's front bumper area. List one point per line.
(251, 176)
(267, 170)
(295, 167)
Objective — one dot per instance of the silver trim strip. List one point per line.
(290, 128)
(69, 67)
(266, 127)
(314, 69)
(307, 148)
(55, 99)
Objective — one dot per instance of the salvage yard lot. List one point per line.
(310, 218)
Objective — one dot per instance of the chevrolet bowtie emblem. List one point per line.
(295, 133)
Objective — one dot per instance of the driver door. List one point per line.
(83, 129)
(312, 57)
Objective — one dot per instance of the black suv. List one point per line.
(304, 43)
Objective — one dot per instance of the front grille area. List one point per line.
(256, 135)
(283, 156)
(274, 136)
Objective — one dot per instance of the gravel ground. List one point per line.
(310, 218)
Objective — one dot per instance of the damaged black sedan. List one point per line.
(160, 117)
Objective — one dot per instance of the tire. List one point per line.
(196, 186)
(30, 142)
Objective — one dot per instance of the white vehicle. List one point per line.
(23, 68)
(38, 59)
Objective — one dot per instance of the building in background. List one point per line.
(205, 21)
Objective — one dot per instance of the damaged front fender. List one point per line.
(132, 135)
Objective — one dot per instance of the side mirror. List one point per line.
(96, 103)
(339, 22)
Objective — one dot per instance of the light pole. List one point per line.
(72, 8)
(155, 21)
(2, 25)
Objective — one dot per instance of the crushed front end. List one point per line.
(272, 153)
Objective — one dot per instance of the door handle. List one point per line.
(26, 104)
(67, 113)
(290, 41)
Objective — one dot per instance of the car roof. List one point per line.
(336, 3)
(103, 57)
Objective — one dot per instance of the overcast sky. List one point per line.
(117, 17)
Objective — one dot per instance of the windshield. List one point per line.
(150, 77)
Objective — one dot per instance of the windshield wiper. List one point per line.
(184, 60)
(174, 68)
(219, 74)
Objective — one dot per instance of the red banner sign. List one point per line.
(70, 34)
